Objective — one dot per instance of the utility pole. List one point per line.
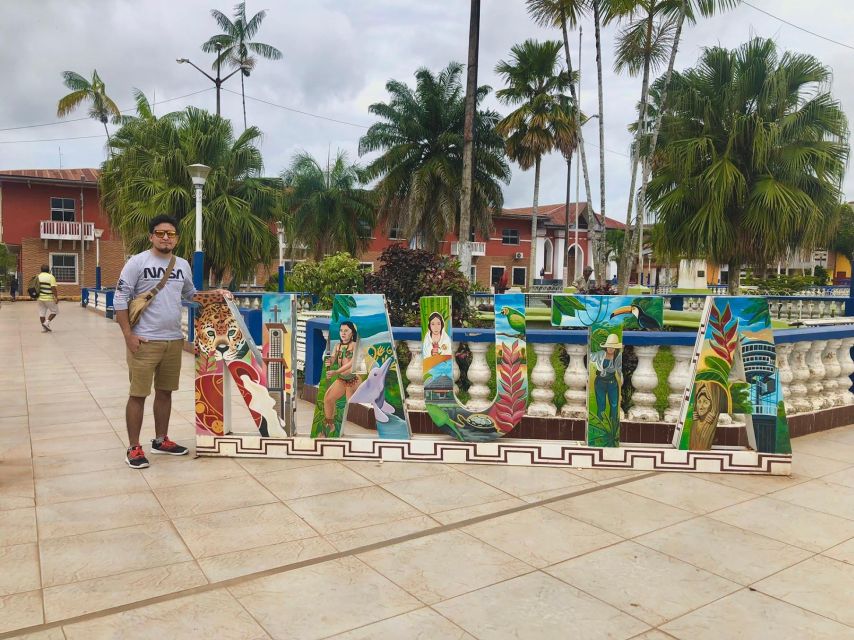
(463, 239)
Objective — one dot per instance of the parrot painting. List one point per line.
(515, 319)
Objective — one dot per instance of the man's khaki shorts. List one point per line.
(157, 360)
(47, 307)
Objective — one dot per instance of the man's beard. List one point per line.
(166, 250)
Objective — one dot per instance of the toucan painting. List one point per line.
(645, 321)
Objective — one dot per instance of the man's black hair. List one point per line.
(156, 220)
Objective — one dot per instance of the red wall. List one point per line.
(24, 206)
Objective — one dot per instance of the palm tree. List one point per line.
(327, 210)
(544, 119)
(468, 139)
(147, 175)
(234, 45)
(755, 155)
(102, 107)
(420, 170)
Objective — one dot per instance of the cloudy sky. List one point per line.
(338, 55)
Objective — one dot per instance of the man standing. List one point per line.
(155, 343)
(582, 283)
(13, 286)
(48, 297)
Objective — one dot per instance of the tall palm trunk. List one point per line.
(534, 212)
(600, 256)
(734, 278)
(567, 280)
(590, 216)
(624, 266)
(463, 244)
(243, 95)
(647, 162)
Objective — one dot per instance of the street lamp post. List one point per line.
(218, 81)
(98, 234)
(199, 174)
(280, 228)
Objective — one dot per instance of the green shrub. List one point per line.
(339, 273)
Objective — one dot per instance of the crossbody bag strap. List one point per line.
(153, 292)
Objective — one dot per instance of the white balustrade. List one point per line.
(678, 379)
(542, 379)
(415, 374)
(478, 375)
(455, 366)
(575, 378)
(832, 369)
(815, 386)
(644, 381)
(800, 375)
(784, 351)
(846, 365)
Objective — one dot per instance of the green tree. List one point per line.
(339, 273)
(234, 46)
(101, 107)
(327, 210)
(147, 175)
(419, 173)
(755, 155)
(843, 239)
(543, 119)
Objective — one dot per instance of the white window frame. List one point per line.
(76, 267)
(511, 244)
(73, 209)
(395, 233)
(367, 266)
(513, 277)
(496, 266)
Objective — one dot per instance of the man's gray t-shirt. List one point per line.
(161, 320)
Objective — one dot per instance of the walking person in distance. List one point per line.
(48, 297)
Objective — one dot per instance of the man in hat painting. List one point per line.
(608, 366)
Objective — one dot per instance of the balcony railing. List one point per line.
(477, 248)
(62, 230)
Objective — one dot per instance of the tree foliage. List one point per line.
(101, 106)
(419, 173)
(339, 273)
(148, 176)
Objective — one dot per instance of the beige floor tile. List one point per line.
(806, 465)
(214, 614)
(353, 509)
(260, 466)
(197, 499)
(821, 585)
(312, 481)
(444, 565)
(81, 430)
(840, 434)
(103, 553)
(758, 617)
(687, 492)
(620, 512)
(246, 561)
(19, 569)
(8, 502)
(354, 538)
(758, 484)
(444, 492)
(452, 516)
(655, 634)
(93, 484)
(18, 526)
(843, 552)
(381, 472)
(74, 462)
(228, 531)
(79, 598)
(788, 523)
(83, 516)
(94, 442)
(541, 537)
(173, 471)
(835, 499)
(48, 634)
(736, 554)
(538, 606)
(421, 624)
(644, 583)
(845, 477)
(21, 610)
(323, 599)
(823, 448)
(522, 481)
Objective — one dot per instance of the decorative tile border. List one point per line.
(506, 451)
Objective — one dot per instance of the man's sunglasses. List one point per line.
(164, 234)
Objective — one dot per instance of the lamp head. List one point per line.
(199, 174)
(99, 233)
(181, 60)
(280, 228)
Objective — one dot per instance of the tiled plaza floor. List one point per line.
(228, 549)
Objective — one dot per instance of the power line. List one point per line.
(305, 113)
(48, 139)
(792, 24)
(48, 124)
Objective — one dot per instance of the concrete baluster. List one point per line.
(815, 386)
(478, 375)
(800, 375)
(415, 374)
(575, 378)
(832, 370)
(847, 368)
(644, 381)
(784, 351)
(542, 379)
(678, 379)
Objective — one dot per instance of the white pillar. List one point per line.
(815, 385)
(847, 368)
(800, 374)
(542, 379)
(644, 381)
(784, 352)
(560, 258)
(575, 378)
(478, 375)
(832, 371)
(415, 374)
(678, 379)
(541, 251)
(455, 367)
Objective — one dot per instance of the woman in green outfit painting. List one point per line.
(340, 363)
